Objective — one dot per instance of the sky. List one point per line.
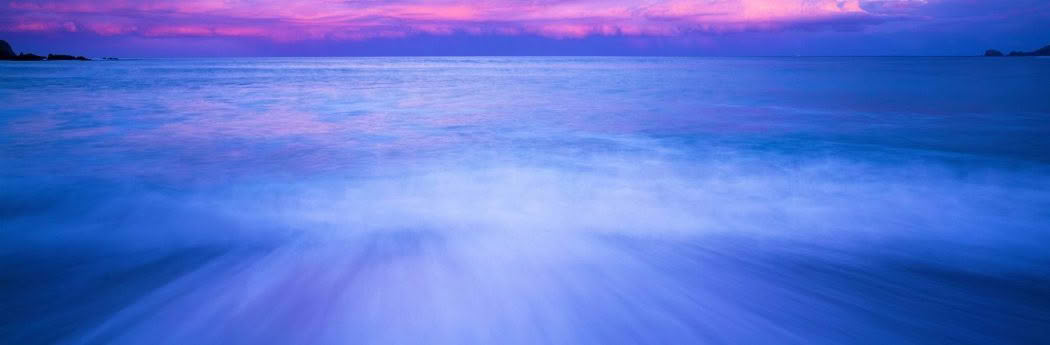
(185, 28)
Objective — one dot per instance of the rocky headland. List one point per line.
(8, 53)
(1044, 51)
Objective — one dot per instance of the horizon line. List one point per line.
(545, 55)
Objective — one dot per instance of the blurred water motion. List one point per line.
(525, 200)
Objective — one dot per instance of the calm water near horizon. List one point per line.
(500, 200)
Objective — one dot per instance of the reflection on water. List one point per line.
(525, 200)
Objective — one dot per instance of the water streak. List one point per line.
(525, 200)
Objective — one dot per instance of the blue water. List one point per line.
(525, 201)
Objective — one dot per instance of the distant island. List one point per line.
(1044, 51)
(7, 53)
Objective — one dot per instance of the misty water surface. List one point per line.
(525, 201)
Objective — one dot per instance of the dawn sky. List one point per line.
(523, 27)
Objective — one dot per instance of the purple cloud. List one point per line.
(677, 21)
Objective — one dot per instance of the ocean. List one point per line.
(525, 200)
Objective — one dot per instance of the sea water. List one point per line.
(525, 200)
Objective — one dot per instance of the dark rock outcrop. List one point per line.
(28, 57)
(993, 52)
(8, 53)
(1044, 51)
(5, 51)
(60, 57)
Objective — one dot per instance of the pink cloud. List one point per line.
(359, 19)
(32, 26)
(188, 30)
(109, 29)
